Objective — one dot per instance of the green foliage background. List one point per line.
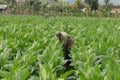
(29, 49)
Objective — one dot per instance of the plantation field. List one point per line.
(29, 49)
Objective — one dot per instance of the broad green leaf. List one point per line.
(6, 75)
(42, 72)
(66, 74)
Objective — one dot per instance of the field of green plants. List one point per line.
(29, 49)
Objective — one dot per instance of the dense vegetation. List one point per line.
(78, 8)
(29, 49)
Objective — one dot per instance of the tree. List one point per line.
(88, 1)
(93, 4)
(79, 4)
(106, 2)
(108, 6)
(56, 0)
